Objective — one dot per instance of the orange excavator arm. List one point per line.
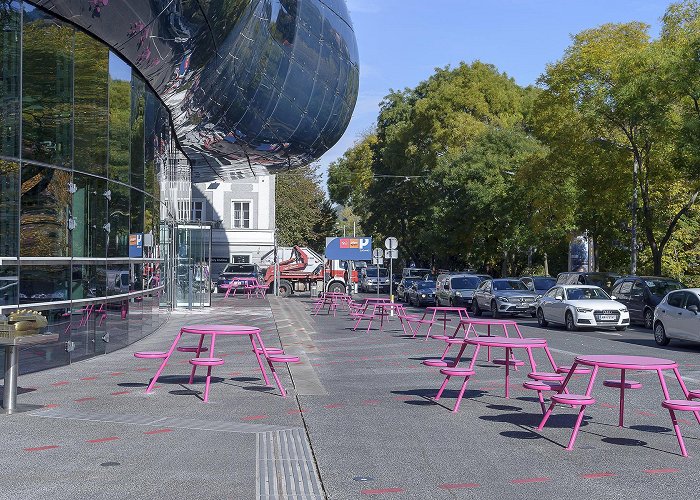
(297, 262)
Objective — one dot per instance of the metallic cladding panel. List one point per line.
(253, 86)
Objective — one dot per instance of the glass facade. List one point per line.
(83, 143)
(254, 85)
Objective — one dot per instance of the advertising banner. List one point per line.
(349, 248)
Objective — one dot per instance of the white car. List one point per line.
(676, 316)
(576, 306)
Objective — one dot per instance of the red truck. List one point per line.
(295, 277)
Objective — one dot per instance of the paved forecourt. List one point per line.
(390, 438)
(359, 420)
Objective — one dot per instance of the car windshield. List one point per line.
(660, 288)
(240, 268)
(410, 281)
(425, 284)
(508, 285)
(414, 271)
(544, 283)
(605, 281)
(593, 293)
(372, 272)
(467, 282)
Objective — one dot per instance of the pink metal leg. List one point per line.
(270, 364)
(257, 355)
(461, 393)
(163, 364)
(507, 372)
(199, 350)
(442, 387)
(206, 386)
(576, 427)
(621, 420)
(677, 430)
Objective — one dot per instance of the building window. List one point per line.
(198, 210)
(183, 210)
(241, 214)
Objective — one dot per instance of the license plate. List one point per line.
(607, 317)
(521, 307)
(236, 283)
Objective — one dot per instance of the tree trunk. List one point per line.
(546, 265)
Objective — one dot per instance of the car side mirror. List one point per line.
(693, 308)
(613, 297)
(558, 299)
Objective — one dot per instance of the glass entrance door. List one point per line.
(192, 268)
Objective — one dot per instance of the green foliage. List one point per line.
(468, 169)
(303, 214)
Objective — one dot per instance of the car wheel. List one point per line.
(476, 310)
(540, 318)
(620, 328)
(660, 334)
(569, 322)
(285, 288)
(494, 310)
(648, 319)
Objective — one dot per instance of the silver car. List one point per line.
(677, 317)
(504, 296)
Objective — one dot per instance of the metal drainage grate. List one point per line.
(286, 469)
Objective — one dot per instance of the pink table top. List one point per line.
(506, 342)
(390, 305)
(445, 308)
(626, 362)
(498, 322)
(220, 329)
(376, 300)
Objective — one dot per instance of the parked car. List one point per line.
(456, 290)
(503, 296)
(576, 306)
(539, 284)
(414, 272)
(676, 317)
(404, 286)
(641, 295)
(422, 293)
(603, 280)
(375, 278)
(235, 271)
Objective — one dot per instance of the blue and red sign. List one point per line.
(136, 245)
(349, 248)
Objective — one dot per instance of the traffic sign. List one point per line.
(391, 243)
(378, 261)
(391, 254)
(377, 253)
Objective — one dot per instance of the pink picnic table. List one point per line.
(204, 330)
(387, 308)
(468, 326)
(432, 316)
(622, 363)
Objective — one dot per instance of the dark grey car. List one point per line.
(504, 296)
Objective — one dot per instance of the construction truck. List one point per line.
(303, 269)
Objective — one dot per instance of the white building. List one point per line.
(242, 214)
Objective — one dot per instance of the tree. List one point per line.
(303, 214)
(610, 77)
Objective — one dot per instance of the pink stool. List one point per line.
(573, 400)
(279, 358)
(541, 387)
(439, 363)
(192, 349)
(151, 355)
(622, 385)
(545, 376)
(455, 372)
(578, 371)
(269, 350)
(681, 405)
(208, 362)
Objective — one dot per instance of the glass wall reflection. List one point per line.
(94, 141)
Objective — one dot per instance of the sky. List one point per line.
(401, 42)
